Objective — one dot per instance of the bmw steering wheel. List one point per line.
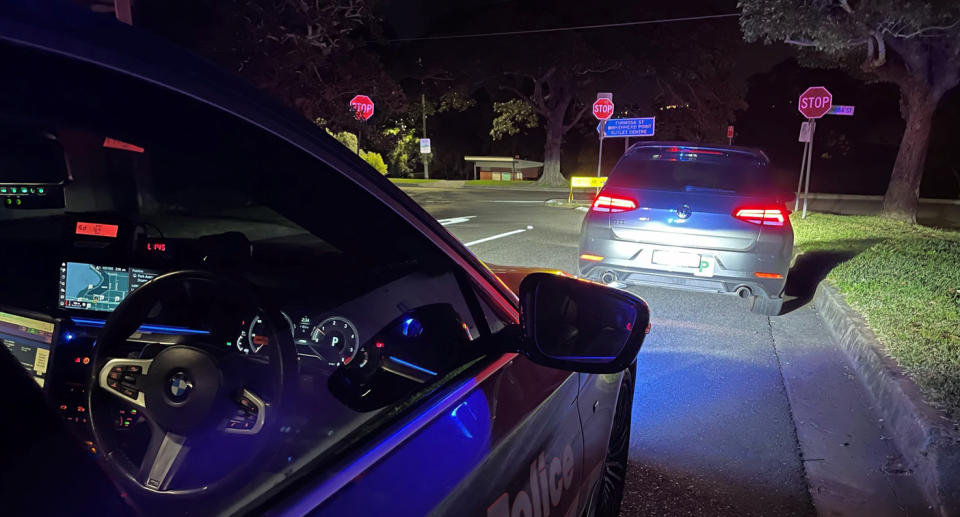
(210, 408)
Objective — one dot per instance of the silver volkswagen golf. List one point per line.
(691, 216)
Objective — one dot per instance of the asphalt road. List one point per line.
(734, 413)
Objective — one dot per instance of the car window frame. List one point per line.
(308, 139)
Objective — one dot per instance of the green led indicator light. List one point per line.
(229, 343)
(40, 190)
(23, 190)
(33, 190)
(9, 201)
(3, 190)
(19, 201)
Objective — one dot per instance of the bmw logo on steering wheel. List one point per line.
(179, 386)
(684, 211)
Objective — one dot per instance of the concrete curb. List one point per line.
(927, 439)
(507, 187)
(563, 203)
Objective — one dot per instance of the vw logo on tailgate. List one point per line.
(684, 211)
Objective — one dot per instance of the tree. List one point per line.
(312, 56)
(699, 91)
(911, 44)
(556, 94)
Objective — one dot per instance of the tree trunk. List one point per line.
(903, 192)
(551, 154)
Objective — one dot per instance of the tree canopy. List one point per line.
(915, 45)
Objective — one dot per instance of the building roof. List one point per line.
(502, 161)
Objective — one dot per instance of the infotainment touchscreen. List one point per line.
(98, 288)
(29, 341)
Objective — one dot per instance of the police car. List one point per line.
(210, 307)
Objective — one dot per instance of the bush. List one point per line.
(375, 160)
(905, 280)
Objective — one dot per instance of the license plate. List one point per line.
(706, 267)
(675, 258)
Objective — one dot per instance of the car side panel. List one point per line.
(479, 456)
(596, 404)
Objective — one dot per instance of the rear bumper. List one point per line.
(632, 263)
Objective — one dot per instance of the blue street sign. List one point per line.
(627, 127)
(841, 110)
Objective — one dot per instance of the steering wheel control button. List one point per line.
(249, 417)
(122, 377)
(248, 405)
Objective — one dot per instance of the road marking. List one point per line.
(498, 236)
(454, 220)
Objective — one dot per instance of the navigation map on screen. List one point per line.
(98, 288)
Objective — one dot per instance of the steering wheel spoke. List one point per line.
(249, 417)
(123, 378)
(165, 454)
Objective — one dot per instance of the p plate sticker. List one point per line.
(707, 265)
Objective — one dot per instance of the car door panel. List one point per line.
(596, 404)
(478, 446)
(534, 467)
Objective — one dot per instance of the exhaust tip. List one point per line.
(608, 277)
(743, 291)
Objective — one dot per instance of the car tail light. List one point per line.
(607, 203)
(760, 274)
(762, 216)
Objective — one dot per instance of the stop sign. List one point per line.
(603, 109)
(362, 107)
(815, 102)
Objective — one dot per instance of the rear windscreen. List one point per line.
(692, 170)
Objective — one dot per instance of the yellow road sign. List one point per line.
(587, 181)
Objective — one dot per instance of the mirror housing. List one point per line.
(579, 325)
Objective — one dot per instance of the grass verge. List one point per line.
(905, 280)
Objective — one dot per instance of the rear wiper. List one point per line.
(692, 188)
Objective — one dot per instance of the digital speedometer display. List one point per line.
(255, 336)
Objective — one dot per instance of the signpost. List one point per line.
(602, 110)
(603, 107)
(362, 108)
(814, 103)
(837, 109)
(627, 127)
(585, 182)
(730, 135)
(424, 146)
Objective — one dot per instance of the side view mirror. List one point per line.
(580, 326)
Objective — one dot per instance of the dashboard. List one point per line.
(364, 340)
